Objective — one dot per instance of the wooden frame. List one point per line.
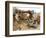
(7, 18)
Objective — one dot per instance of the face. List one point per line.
(25, 16)
(36, 18)
(22, 16)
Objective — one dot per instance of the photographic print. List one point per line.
(24, 18)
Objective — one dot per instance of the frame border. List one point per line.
(7, 18)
